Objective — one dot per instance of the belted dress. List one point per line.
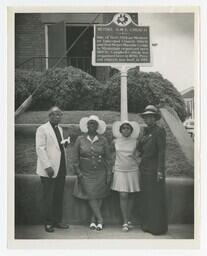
(92, 160)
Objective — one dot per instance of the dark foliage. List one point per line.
(72, 89)
(143, 89)
(69, 88)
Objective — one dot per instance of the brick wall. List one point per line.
(29, 37)
(30, 40)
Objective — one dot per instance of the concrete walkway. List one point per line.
(180, 133)
(110, 232)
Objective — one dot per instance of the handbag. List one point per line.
(79, 188)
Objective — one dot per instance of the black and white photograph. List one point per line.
(105, 124)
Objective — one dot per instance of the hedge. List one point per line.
(25, 156)
(69, 88)
(73, 89)
(144, 89)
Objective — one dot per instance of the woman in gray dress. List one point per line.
(92, 161)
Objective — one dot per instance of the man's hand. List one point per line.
(66, 142)
(50, 171)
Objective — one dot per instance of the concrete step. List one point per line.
(109, 232)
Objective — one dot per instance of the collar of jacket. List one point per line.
(94, 139)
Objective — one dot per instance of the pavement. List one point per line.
(176, 231)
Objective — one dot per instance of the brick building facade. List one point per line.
(42, 38)
(29, 37)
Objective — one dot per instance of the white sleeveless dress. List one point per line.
(126, 171)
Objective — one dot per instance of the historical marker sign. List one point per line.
(121, 42)
(123, 45)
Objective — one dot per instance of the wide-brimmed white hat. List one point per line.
(101, 124)
(116, 128)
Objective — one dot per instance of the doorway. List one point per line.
(80, 54)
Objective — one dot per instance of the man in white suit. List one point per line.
(51, 167)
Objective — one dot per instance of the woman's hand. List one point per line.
(80, 175)
(108, 178)
(160, 176)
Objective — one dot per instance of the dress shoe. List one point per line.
(99, 227)
(125, 227)
(49, 228)
(130, 225)
(93, 226)
(61, 225)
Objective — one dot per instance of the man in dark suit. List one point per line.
(51, 167)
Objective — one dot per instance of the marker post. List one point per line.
(122, 45)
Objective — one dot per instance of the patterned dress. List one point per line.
(92, 159)
(126, 172)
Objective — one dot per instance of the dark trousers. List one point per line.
(53, 189)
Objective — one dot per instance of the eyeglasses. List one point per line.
(57, 114)
(125, 128)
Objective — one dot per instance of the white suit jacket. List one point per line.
(48, 150)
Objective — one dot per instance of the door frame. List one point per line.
(46, 36)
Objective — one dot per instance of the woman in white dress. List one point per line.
(126, 172)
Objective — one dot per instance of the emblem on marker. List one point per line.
(122, 19)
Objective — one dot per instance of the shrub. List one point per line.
(143, 89)
(73, 89)
(25, 83)
(69, 88)
(25, 155)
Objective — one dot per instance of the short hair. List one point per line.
(121, 126)
(54, 109)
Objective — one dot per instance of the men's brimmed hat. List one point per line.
(116, 128)
(84, 121)
(151, 110)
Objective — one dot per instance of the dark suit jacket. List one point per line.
(152, 148)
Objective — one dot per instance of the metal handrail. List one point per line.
(38, 63)
(27, 60)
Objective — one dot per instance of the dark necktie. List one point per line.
(58, 135)
(62, 170)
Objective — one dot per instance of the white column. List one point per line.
(124, 100)
(46, 46)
